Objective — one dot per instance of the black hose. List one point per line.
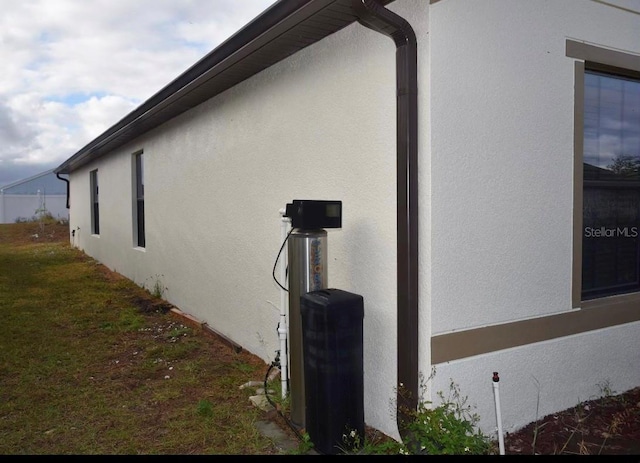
(275, 264)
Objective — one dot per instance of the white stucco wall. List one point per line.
(546, 377)
(502, 196)
(496, 206)
(319, 125)
(503, 153)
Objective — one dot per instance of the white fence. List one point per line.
(20, 207)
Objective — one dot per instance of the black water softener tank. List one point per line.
(333, 370)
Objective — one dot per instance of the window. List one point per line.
(95, 211)
(611, 184)
(139, 238)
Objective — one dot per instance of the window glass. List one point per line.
(95, 210)
(139, 173)
(611, 189)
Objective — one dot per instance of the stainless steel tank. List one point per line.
(307, 272)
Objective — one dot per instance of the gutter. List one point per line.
(280, 31)
(374, 16)
(193, 77)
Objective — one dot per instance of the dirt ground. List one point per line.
(606, 426)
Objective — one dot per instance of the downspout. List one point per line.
(374, 16)
(65, 180)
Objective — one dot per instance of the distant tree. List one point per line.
(625, 165)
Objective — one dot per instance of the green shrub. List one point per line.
(449, 428)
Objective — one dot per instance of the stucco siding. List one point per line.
(496, 188)
(503, 92)
(319, 125)
(502, 141)
(546, 377)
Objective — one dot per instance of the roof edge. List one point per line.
(261, 24)
(28, 179)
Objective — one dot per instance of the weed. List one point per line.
(573, 432)
(244, 367)
(352, 440)
(177, 332)
(354, 444)
(384, 447)
(304, 446)
(130, 320)
(450, 428)
(205, 408)
(606, 391)
(43, 215)
(282, 404)
(156, 289)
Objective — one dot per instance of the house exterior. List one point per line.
(30, 197)
(465, 230)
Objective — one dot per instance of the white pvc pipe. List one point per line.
(284, 299)
(496, 395)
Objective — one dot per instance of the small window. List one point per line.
(611, 185)
(95, 209)
(139, 200)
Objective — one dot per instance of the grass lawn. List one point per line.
(90, 363)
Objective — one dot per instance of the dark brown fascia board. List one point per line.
(273, 23)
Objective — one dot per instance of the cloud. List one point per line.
(14, 131)
(72, 69)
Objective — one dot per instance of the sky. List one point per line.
(73, 68)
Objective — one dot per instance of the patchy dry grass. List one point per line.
(90, 363)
